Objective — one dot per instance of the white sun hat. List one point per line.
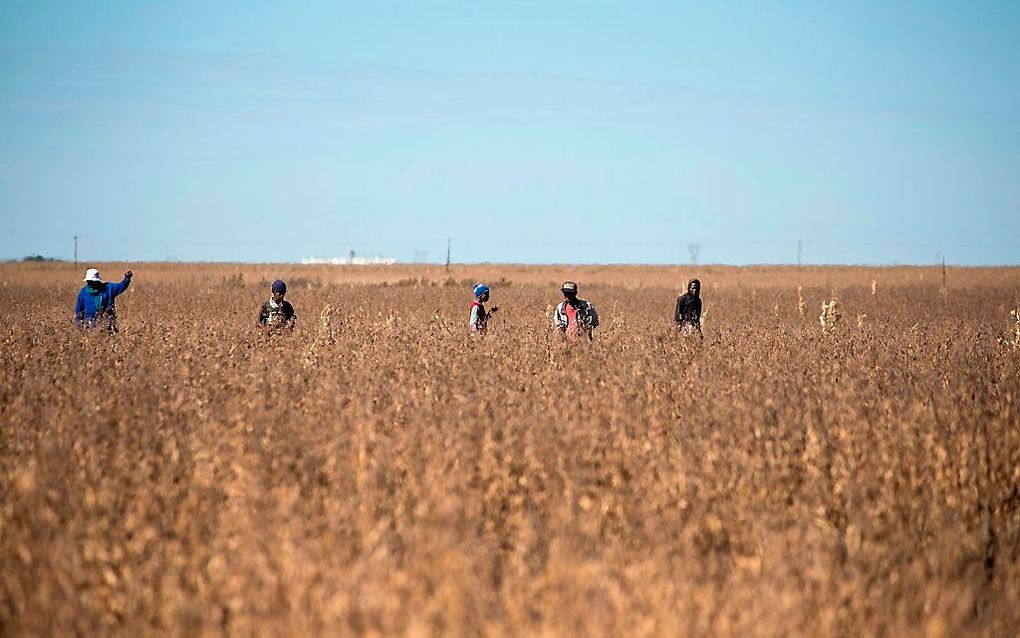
(92, 274)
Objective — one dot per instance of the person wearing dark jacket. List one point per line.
(277, 313)
(95, 301)
(688, 308)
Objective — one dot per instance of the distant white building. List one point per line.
(350, 260)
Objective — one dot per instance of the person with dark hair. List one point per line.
(688, 308)
(95, 301)
(573, 316)
(277, 313)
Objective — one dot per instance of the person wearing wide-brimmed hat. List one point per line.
(95, 305)
(575, 316)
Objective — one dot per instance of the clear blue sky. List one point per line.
(544, 131)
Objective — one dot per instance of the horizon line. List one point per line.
(398, 264)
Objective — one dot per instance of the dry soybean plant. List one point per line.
(831, 315)
(325, 336)
(378, 471)
(1014, 341)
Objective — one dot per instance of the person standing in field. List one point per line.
(688, 309)
(573, 316)
(479, 318)
(95, 304)
(277, 313)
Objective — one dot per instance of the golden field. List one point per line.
(380, 471)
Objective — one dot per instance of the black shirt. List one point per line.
(282, 315)
(688, 310)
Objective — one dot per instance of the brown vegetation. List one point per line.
(380, 471)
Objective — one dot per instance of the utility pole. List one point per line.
(76, 251)
(943, 272)
(800, 250)
(448, 242)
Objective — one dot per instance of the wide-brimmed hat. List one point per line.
(568, 286)
(92, 274)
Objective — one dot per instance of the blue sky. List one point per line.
(874, 132)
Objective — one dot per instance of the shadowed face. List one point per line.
(694, 288)
(484, 297)
(278, 297)
(569, 290)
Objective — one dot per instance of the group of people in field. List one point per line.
(574, 317)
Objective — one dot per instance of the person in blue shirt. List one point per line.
(95, 301)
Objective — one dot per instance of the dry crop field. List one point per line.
(379, 471)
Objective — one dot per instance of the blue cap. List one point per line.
(480, 289)
(280, 286)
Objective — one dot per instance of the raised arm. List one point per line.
(116, 289)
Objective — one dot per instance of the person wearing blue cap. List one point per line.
(277, 313)
(479, 319)
(95, 301)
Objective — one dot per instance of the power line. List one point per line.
(347, 241)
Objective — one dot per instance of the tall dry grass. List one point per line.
(380, 471)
